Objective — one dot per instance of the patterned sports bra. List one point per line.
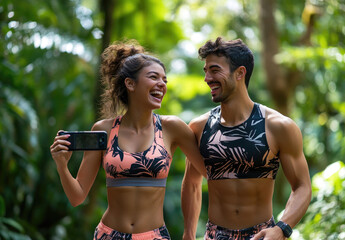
(149, 168)
(238, 152)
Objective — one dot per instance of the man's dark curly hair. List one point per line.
(236, 52)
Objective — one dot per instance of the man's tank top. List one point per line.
(149, 168)
(241, 151)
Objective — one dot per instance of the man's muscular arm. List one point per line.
(191, 200)
(295, 168)
(191, 186)
(289, 140)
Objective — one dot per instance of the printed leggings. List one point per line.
(104, 232)
(214, 232)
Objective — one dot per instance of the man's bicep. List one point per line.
(292, 158)
(295, 170)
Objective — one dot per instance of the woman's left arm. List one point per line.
(182, 136)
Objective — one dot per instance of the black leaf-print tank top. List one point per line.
(238, 152)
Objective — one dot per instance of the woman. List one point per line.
(139, 150)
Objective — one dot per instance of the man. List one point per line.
(243, 144)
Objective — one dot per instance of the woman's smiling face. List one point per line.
(151, 85)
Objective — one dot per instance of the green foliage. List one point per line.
(325, 216)
(43, 87)
(320, 102)
(9, 228)
(148, 22)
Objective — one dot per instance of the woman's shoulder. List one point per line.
(175, 121)
(174, 125)
(171, 120)
(103, 125)
(176, 129)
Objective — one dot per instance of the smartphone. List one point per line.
(86, 140)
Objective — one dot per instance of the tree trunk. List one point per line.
(280, 85)
(277, 84)
(107, 7)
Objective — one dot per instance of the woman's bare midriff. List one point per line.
(240, 203)
(134, 209)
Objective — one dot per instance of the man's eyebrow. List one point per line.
(212, 66)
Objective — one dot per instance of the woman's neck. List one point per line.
(137, 120)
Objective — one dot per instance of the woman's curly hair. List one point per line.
(121, 60)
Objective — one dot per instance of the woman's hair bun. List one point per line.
(114, 55)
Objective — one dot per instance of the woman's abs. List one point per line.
(134, 209)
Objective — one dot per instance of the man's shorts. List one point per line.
(214, 232)
(104, 232)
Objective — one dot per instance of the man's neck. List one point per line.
(236, 110)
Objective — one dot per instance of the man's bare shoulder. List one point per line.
(279, 124)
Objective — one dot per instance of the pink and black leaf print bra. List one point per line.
(149, 168)
(238, 152)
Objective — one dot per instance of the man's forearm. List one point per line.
(191, 201)
(297, 205)
(191, 206)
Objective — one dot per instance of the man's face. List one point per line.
(218, 77)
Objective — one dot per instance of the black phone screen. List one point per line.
(87, 140)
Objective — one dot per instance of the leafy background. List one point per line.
(49, 81)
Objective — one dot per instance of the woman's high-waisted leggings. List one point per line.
(104, 232)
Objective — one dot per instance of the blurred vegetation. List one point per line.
(49, 70)
(325, 216)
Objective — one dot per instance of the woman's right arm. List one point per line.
(76, 189)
